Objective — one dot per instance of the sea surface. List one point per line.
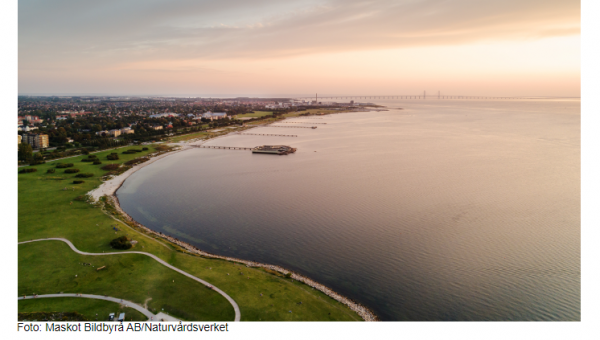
(433, 210)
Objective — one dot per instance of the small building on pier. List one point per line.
(274, 149)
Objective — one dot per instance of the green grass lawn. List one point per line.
(312, 112)
(189, 136)
(255, 114)
(51, 267)
(45, 210)
(91, 309)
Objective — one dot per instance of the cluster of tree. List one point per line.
(26, 154)
(122, 242)
(82, 130)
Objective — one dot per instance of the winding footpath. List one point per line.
(141, 309)
(159, 260)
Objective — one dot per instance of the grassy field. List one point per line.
(255, 114)
(93, 310)
(47, 210)
(51, 267)
(189, 136)
(312, 112)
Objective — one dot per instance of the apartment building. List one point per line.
(37, 141)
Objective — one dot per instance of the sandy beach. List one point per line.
(109, 187)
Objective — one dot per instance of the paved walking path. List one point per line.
(133, 305)
(233, 303)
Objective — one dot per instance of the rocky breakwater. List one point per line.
(361, 310)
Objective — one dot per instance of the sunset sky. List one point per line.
(270, 48)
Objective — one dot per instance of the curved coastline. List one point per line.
(110, 187)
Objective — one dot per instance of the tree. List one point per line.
(38, 158)
(122, 242)
(25, 151)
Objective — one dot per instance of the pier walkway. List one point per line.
(300, 123)
(220, 147)
(267, 134)
(297, 127)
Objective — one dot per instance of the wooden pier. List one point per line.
(268, 134)
(220, 147)
(297, 127)
(301, 123)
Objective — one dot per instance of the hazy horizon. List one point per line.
(430, 95)
(267, 48)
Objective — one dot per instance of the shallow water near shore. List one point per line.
(445, 210)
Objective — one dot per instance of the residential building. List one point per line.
(31, 119)
(115, 132)
(166, 114)
(37, 141)
(214, 115)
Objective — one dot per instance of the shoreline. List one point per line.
(109, 188)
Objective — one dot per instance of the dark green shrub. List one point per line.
(24, 171)
(71, 171)
(122, 242)
(51, 171)
(85, 152)
(144, 149)
(88, 159)
(109, 167)
(92, 156)
(132, 151)
(65, 165)
(78, 182)
(288, 275)
(137, 161)
(96, 162)
(85, 175)
(113, 156)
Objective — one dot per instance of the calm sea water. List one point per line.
(445, 210)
